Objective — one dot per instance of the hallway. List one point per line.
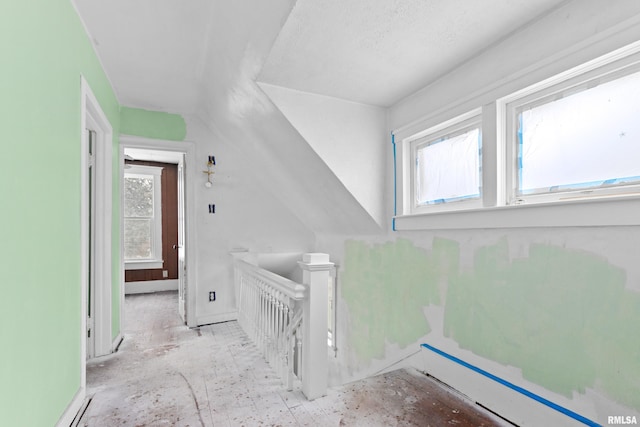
(165, 374)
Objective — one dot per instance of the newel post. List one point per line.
(316, 268)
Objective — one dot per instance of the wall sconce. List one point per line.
(210, 163)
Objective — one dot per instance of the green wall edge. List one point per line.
(152, 124)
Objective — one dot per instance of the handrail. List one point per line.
(288, 320)
(288, 287)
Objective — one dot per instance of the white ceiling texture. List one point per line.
(204, 59)
(162, 54)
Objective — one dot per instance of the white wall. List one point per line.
(247, 216)
(348, 136)
(249, 120)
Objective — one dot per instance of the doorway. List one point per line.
(96, 211)
(151, 218)
(180, 154)
(96, 285)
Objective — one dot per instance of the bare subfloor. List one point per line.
(168, 375)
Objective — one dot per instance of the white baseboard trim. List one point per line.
(150, 286)
(72, 409)
(513, 406)
(216, 318)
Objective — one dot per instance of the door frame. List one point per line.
(94, 116)
(91, 114)
(188, 149)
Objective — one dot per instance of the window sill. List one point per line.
(143, 265)
(619, 211)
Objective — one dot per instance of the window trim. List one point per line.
(601, 71)
(416, 141)
(155, 261)
(576, 211)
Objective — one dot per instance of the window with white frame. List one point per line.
(577, 139)
(565, 149)
(142, 217)
(446, 165)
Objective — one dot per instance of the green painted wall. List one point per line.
(152, 124)
(44, 51)
(386, 286)
(563, 316)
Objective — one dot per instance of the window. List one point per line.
(565, 150)
(142, 217)
(446, 166)
(579, 140)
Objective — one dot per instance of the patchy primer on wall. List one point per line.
(386, 287)
(561, 315)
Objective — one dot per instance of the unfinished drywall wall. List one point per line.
(563, 315)
(553, 308)
(386, 287)
(40, 324)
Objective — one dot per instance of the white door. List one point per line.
(182, 272)
(91, 232)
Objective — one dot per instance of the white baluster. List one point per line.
(299, 339)
(279, 337)
(273, 313)
(285, 347)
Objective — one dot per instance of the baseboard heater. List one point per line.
(514, 387)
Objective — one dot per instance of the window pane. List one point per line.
(587, 139)
(449, 169)
(138, 196)
(137, 238)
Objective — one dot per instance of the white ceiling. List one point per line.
(379, 51)
(153, 51)
(171, 55)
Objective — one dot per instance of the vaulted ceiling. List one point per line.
(171, 56)
(255, 71)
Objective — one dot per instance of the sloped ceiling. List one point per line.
(203, 58)
(156, 52)
(379, 51)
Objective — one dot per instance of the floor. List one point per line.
(166, 374)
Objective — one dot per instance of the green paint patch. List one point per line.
(387, 286)
(562, 316)
(152, 124)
